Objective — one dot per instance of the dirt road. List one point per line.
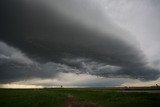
(142, 91)
(71, 101)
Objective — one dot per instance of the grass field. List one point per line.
(87, 97)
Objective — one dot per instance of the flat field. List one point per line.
(81, 97)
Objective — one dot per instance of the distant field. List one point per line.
(87, 97)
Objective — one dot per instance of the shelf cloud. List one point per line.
(41, 38)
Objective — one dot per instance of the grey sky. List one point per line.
(104, 38)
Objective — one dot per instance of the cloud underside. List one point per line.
(47, 41)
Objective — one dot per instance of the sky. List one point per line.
(79, 43)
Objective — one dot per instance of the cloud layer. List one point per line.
(72, 36)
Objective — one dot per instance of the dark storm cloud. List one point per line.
(13, 71)
(14, 66)
(51, 34)
(34, 30)
(143, 73)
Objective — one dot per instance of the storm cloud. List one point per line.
(66, 36)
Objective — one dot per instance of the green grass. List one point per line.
(56, 97)
(31, 98)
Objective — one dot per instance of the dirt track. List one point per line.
(72, 102)
(142, 91)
